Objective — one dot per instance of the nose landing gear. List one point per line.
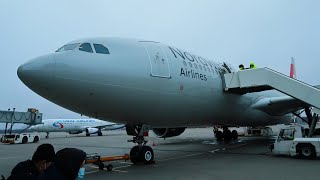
(140, 153)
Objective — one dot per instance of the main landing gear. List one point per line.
(140, 153)
(226, 135)
(99, 132)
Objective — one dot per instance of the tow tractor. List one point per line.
(20, 138)
(98, 160)
(292, 141)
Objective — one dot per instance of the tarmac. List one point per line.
(193, 155)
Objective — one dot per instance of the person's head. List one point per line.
(43, 156)
(251, 64)
(69, 161)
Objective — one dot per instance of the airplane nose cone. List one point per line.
(37, 72)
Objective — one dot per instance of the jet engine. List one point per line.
(92, 130)
(75, 132)
(167, 132)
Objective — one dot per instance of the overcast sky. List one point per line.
(267, 32)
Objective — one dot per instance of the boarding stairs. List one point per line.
(261, 79)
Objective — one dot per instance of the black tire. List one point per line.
(307, 151)
(24, 140)
(227, 135)
(234, 135)
(219, 136)
(134, 154)
(109, 167)
(87, 134)
(99, 133)
(101, 165)
(147, 155)
(36, 139)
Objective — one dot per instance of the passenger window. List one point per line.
(209, 70)
(190, 64)
(200, 67)
(204, 68)
(86, 47)
(101, 49)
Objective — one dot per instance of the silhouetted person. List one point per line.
(241, 67)
(252, 65)
(31, 169)
(68, 165)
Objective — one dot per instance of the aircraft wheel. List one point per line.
(234, 135)
(87, 134)
(147, 155)
(227, 135)
(219, 135)
(99, 133)
(134, 153)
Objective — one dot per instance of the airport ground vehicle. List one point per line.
(292, 141)
(99, 160)
(22, 138)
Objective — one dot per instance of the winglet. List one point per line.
(292, 69)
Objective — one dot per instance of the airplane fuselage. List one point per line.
(67, 125)
(143, 82)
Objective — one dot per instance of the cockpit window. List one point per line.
(86, 47)
(101, 49)
(68, 47)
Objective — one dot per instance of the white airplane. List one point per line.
(75, 126)
(147, 84)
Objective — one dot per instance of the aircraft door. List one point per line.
(225, 68)
(158, 60)
(228, 67)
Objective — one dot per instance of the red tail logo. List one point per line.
(292, 69)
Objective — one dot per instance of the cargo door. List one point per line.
(159, 66)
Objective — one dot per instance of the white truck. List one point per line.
(292, 141)
(20, 138)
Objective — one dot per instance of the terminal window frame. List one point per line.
(86, 47)
(101, 49)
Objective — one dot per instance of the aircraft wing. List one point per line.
(104, 126)
(99, 126)
(278, 106)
